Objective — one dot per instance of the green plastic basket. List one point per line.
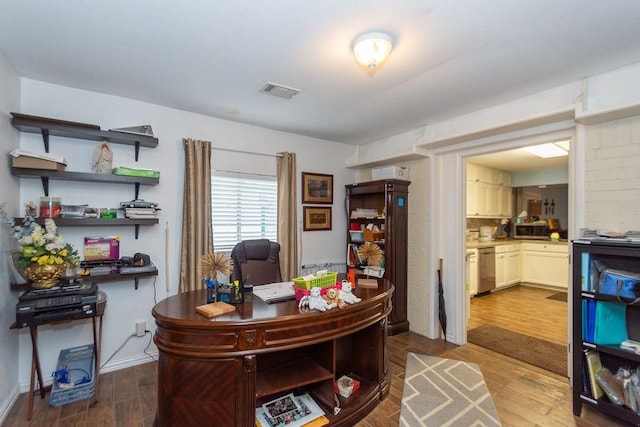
(328, 279)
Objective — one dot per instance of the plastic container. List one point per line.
(80, 363)
(50, 207)
(328, 279)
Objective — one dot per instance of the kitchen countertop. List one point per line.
(473, 244)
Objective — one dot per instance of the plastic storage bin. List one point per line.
(328, 279)
(80, 362)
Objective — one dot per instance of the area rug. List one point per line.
(445, 392)
(535, 351)
(558, 296)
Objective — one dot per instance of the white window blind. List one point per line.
(243, 207)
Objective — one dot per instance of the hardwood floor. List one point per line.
(523, 394)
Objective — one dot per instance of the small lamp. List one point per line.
(371, 50)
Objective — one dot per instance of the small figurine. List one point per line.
(316, 302)
(102, 158)
(346, 295)
(331, 297)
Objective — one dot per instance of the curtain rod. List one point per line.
(243, 173)
(246, 152)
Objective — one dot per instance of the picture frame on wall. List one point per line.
(316, 218)
(317, 188)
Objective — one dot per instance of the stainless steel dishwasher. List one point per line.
(486, 269)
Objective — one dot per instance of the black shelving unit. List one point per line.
(620, 255)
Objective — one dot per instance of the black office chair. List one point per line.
(256, 262)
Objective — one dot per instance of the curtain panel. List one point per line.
(287, 215)
(197, 230)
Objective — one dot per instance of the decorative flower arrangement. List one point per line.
(40, 245)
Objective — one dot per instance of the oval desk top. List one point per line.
(257, 326)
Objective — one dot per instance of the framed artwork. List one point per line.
(317, 188)
(316, 218)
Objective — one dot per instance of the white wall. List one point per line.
(126, 305)
(9, 194)
(612, 175)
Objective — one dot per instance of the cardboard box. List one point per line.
(390, 172)
(102, 248)
(33, 163)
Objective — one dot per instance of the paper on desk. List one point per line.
(274, 292)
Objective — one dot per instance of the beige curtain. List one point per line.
(197, 231)
(287, 216)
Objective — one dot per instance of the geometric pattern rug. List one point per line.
(445, 392)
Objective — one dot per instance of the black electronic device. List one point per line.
(40, 306)
(141, 260)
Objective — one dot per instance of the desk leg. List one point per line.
(35, 368)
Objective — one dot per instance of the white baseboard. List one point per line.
(8, 404)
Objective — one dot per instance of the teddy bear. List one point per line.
(346, 295)
(317, 302)
(331, 297)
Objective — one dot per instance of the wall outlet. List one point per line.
(141, 327)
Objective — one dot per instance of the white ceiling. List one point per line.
(518, 160)
(212, 57)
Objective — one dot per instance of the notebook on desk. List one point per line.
(275, 292)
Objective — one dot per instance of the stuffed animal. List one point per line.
(316, 302)
(346, 295)
(331, 296)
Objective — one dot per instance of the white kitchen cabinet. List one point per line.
(505, 198)
(501, 267)
(472, 271)
(487, 194)
(545, 264)
(507, 265)
(477, 199)
(513, 264)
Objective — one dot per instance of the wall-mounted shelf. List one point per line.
(45, 175)
(47, 127)
(117, 277)
(93, 222)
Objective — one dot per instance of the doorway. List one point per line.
(448, 222)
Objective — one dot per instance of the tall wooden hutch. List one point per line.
(389, 199)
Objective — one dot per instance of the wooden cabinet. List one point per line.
(217, 371)
(611, 255)
(389, 198)
(545, 263)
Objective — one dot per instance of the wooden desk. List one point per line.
(217, 371)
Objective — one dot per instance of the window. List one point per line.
(244, 206)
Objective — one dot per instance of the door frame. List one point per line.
(448, 222)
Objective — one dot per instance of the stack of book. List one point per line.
(140, 213)
(290, 411)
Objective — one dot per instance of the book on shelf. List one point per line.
(290, 411)
(594, 365)
(610, 323)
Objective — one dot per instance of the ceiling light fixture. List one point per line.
(548, 150)
(371, 50)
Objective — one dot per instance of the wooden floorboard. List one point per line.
(524, 395)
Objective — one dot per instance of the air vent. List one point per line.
(280, 90)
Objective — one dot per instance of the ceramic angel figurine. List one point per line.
(316, 302)
(346, 295)
(102, 158)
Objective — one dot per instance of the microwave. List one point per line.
(538, 230)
